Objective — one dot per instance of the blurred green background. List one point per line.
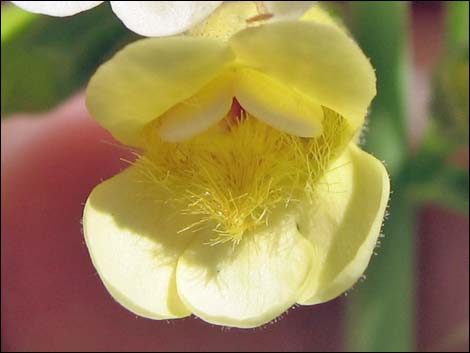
(418, 125)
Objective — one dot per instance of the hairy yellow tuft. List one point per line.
(235, 174)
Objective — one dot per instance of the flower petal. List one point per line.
(149, 77)
(227, 19)
(133, 242)
(56, 8)
(198, 113)
(288, 10)
(315, 58)
(282, 108)
(344, 225)
(162, 18)
(319, 15)
(248, 284)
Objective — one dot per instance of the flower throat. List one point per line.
(235, 174)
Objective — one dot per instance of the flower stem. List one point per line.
(380, 311)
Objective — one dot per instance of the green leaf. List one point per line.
(14, 20)
(45, 59)
(456, 24)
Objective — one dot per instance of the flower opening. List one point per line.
(235, 174)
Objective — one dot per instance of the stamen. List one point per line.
(233, 181)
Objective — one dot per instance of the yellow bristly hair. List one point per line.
(235, 174)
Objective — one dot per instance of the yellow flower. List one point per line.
(249, 193)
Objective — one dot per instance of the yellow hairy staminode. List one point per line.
(236, 173)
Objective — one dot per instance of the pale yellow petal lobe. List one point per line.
(344, 223)
(318, 60)
(249, 284)
(149, 77)
(131, 234)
